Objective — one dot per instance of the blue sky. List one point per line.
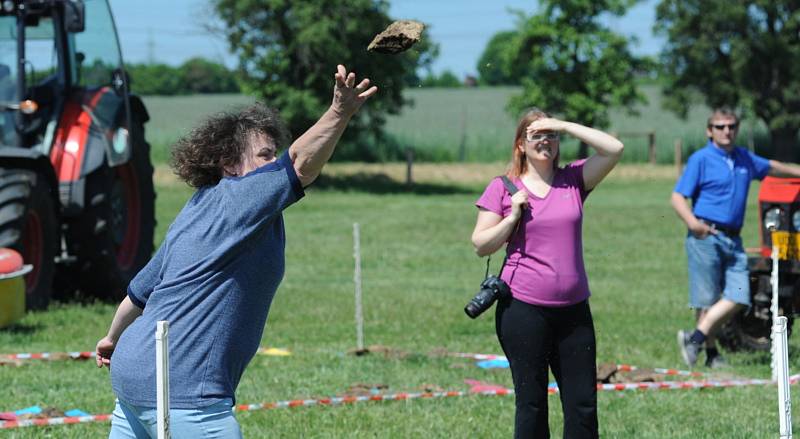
(174, 30)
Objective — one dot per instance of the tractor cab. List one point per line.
(52, 53)
(76, 190)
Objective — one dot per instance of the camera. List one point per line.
(492, 288)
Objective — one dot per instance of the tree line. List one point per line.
(565, 57)
(195, 76)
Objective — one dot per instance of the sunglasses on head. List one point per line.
(730, 126)
(538, 137)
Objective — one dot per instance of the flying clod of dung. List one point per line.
(398, 37)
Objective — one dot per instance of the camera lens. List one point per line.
(472, 311)
(481, 302)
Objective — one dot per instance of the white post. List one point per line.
(162, 379)
(774, 307)
(357, 280)
(782, 360)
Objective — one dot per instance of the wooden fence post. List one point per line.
(678, 155)
(462, 147)
(651, 144)
(409, 164)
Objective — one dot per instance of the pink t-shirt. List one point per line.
(545, 252)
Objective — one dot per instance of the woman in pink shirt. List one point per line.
(547, 321)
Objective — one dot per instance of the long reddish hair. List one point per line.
(518, 164)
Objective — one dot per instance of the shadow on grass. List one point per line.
(21, 329)
(378, 183)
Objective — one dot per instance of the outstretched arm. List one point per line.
(314, 148)
(608, 148)
(780, 169)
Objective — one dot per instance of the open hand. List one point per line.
(348, 97)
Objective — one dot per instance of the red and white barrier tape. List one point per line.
(343, 400)
(673, 372)
(89, 355)
(267, 406)
(54, 421)
(354, 399)
(620, 367)
(49, 356)
(672, 385)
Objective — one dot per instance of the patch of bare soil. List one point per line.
(365, 389)
(385, 351)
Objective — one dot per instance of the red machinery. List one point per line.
(76, 187)
(779, 216)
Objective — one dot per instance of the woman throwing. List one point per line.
(547, 321)
(215, 274)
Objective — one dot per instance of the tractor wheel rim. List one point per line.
(125, 215)
(33, 249)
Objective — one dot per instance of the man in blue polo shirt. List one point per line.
(717, 179)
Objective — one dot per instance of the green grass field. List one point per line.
(418, 272)
(443, 122)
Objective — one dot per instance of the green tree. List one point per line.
(288, 51)
(195, 76)
(155, 79)
(742, 54)
(494, 65)
(574, 65)
(447, 79)
(203, 76)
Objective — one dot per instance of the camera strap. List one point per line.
(512, 189)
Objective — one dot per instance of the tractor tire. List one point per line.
(744, 332)
(113, 237)
(28, 224)
(751, 328)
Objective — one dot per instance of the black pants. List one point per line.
(535, 337)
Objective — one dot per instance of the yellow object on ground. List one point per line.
(276, 352)
(12, 296)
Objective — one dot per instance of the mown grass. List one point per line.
(446, 125)
(418, 272)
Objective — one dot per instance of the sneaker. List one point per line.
(717, 362)
(689, 350)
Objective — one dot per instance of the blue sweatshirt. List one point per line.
(212, 279)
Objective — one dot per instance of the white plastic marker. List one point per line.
(357, 280)
(773, 308)
(162, 379)
(781, 355)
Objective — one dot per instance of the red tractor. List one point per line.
(76, 182)
(779, 216)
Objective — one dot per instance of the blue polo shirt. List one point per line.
(213, 279)
(718, 182)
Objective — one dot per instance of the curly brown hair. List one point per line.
(222, 140)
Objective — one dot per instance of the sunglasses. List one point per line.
(538, 137)
(730, 126)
